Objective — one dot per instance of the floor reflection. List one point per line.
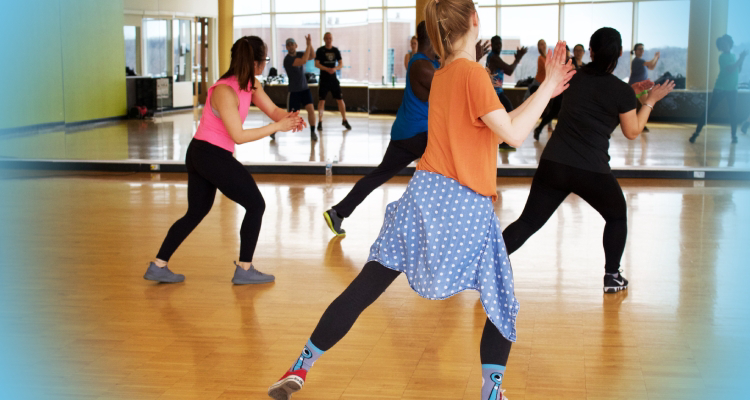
(680, 329)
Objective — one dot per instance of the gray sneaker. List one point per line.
(242, 277)
(164, 275)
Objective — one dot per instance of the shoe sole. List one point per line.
(153, 278)
(330, 224)
(283, 389)
(614, 289)
(252, 282)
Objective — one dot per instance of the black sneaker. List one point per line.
(273, 136)
(693, 137)
(744, 127)
(320, 126)
(614, 284)
(346, 125)
(333, 220)
(313, 136)
(506, 147)
(645, 129)
(537, 132)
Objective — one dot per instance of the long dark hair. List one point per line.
(606, 44)
(245, 52)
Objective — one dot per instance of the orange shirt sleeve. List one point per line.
(480, 94)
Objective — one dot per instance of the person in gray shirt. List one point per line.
(299, 92)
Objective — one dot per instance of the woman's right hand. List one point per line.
(558, 71)
(657, 93)
(291, 122)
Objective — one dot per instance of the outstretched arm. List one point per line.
(225, 101)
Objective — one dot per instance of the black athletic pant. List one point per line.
(397, 156)
(371, 282)
(211, 167)
(551, 111)
(505, 101)
(716, 98)
(552, 183)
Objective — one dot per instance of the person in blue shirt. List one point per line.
(725, 87)
(498, 69)
(408, 133)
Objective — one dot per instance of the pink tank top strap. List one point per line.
(211, 128)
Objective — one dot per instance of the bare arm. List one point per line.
(309, 54)
(497, 63)
(225, 101)
(420, 77)
(651, 64)
(406, 60)
(338, 66)
(737, 65)
(513, 130)
(632, 123)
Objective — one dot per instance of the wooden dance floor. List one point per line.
(77, 245)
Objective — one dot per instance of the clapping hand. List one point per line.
(292, 122)
(657, 93)
(638, 87)
(559, 72)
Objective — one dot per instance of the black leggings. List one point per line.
(551, 112)
(371, 282)
(211, 167)
(716, 97)
(505, 101)
(397, 156)
(552, 183)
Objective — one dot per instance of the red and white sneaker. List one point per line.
(291, 382)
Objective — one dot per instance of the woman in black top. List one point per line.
(576, 159)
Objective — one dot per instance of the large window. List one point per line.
(131, 48)
(527, 25)
(581, 20)
(156, 47)
(374, 35)
(739, 11)
(668, 36)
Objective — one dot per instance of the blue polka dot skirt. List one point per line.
(446, 238)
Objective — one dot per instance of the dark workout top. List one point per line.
(589, 114)
(328, 58)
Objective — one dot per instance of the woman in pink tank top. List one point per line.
(211, 165)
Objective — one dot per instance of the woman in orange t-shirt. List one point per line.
(443, 233)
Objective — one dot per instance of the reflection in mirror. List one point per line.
(171, 59)
(727, 97)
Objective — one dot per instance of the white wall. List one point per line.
(190, 8)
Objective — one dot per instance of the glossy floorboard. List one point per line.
(166, 138)
(75, 248)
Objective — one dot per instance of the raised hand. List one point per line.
(558, 71)
(658, 92)
(638, 87)
(308, 40)
(520, 52)
(482, 48)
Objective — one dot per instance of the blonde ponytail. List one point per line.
(446, 21)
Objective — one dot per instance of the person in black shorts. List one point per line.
(299, 92)
(576, 158)
(328, 60)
